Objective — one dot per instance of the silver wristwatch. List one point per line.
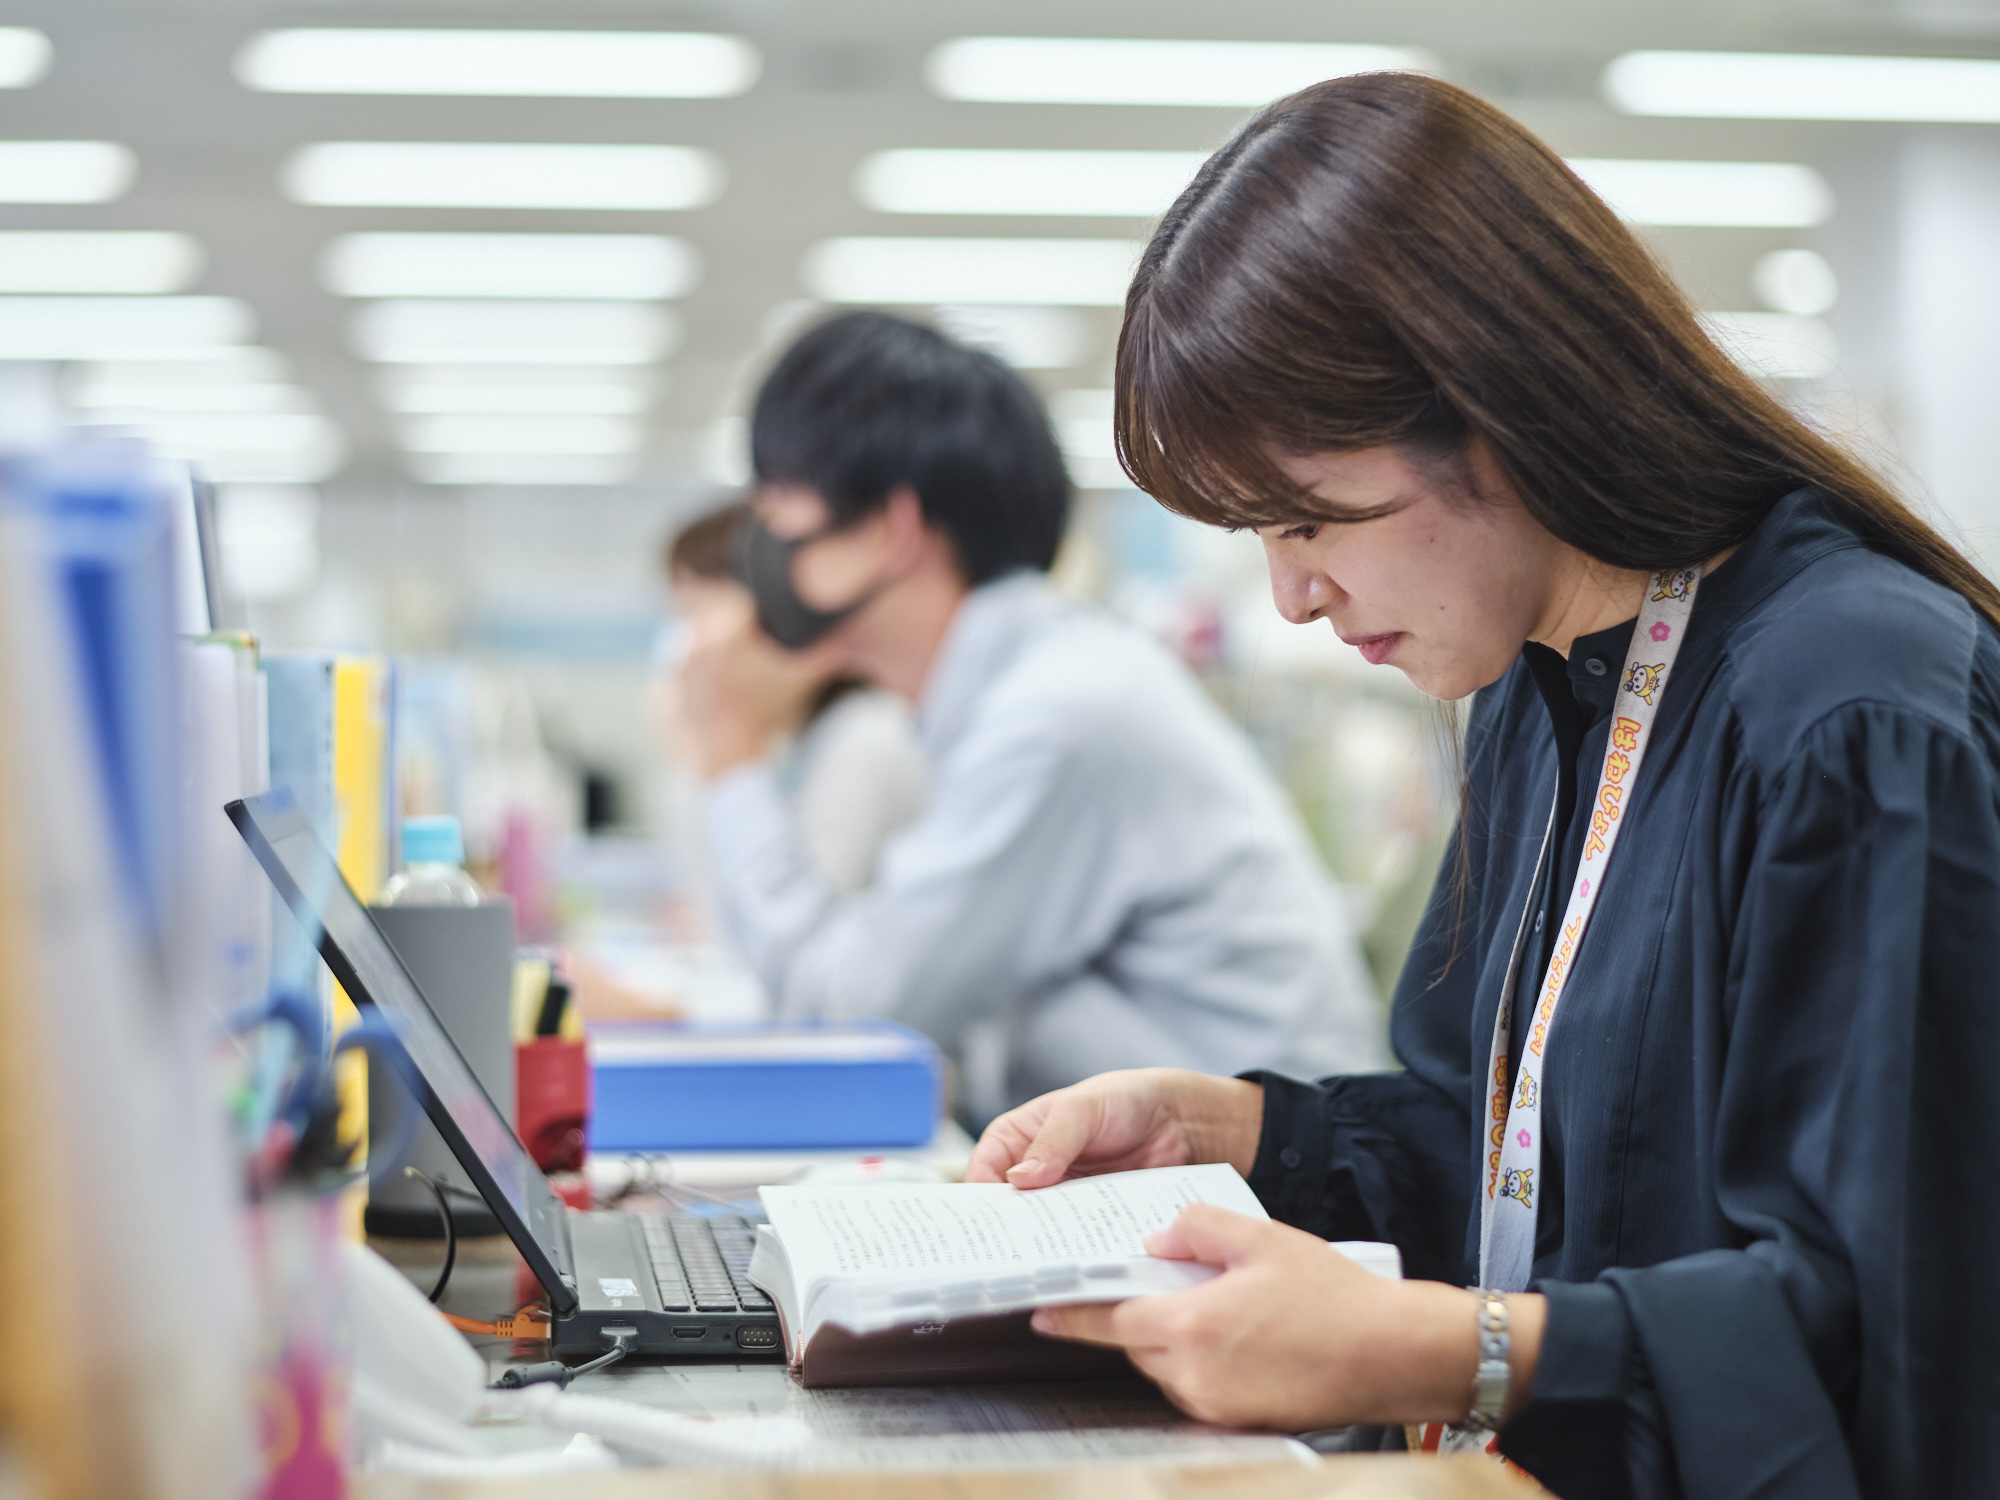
(1489, 1386)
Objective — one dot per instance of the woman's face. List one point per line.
(1445, 588)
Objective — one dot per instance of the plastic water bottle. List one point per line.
(433, 872)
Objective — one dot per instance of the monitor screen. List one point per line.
(285, 844)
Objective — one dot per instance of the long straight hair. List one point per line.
(1388, 260)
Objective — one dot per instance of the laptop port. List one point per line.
(757, 1338)
(689, 1333)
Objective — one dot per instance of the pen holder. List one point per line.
(552, 1100)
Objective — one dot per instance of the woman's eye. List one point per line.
(1304, 533)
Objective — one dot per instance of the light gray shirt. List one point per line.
(1105, 875)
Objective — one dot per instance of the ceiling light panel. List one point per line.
(543, 391)
(516, 468)
(190, 396)
(913, 270)
(636, 266)
(1131, 184)
(1078, 70)
(81, 328)
(25, 55)
(253, 448)
(114, 260)
(65, 171)
(436, 174)
(220, 366)
(523, 435)
(515, 333)
(544, 64)
(1028, 338)
(1739, 194)
(1805, 86)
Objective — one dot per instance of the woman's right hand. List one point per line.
(1117, 1122)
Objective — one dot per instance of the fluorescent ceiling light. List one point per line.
(1078, 70)
(905, 270)
(222, 366)
(190, 396)
(275, 447)
(543, 64)
(1082, 420)
(65, 171)
(527, 469)
(515, 333)
(1796, 281)
(62, 328)
(544, 391)
(1775, 346)
(25, 55)
(100, 260)
(436, 174)
(1739, 194)
(1028, 338)
(510, 265)
(1131, 184)
(1805, 86)
(507, 434)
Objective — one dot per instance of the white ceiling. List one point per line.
(839, 82)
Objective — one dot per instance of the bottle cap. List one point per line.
(433, 841)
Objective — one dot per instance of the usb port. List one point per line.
(689, 1333)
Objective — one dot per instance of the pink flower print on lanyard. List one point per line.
(1661, 630)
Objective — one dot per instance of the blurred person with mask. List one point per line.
(850, 766)
(1105, 874)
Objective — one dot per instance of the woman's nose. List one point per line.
(1301, 591)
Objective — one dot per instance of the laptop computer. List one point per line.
(672, 1284)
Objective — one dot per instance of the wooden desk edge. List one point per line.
(1347, 1477)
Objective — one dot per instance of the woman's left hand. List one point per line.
(1292, 1335)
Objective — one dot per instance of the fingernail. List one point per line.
(1152, 1242)
(1041, 1322)
(1029, 1166)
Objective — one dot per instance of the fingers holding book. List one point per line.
(1117, 1122)
(1290, 1335)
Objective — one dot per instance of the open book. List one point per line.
(903, 1283)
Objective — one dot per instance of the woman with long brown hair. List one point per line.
(1692, 1159)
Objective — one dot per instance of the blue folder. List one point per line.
(809, 1086)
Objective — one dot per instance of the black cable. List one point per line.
(450, 1231)
(555, 1372)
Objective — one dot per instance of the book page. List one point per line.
(890, 1227)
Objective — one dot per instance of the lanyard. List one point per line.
(1514, 1175)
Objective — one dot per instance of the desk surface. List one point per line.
(1352, 1478)
(954, 1443)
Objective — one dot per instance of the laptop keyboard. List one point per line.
(703, 1265)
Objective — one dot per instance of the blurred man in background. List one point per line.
(850, 766)
(1105, 874)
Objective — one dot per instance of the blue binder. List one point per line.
(810, 1086)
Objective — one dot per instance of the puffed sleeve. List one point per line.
(1851, 1343)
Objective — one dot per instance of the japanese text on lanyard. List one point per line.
(1514, 1133)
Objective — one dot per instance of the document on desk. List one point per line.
(912, 1282)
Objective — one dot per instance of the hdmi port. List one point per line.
(689, 1333)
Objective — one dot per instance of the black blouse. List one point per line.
(1772, 1128)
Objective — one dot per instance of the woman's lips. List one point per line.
(1374, 649)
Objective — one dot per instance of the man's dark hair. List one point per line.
(865, 402)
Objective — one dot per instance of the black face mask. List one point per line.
(764, 563)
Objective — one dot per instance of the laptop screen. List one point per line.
(283, 840)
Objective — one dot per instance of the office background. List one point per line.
(462, 332)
